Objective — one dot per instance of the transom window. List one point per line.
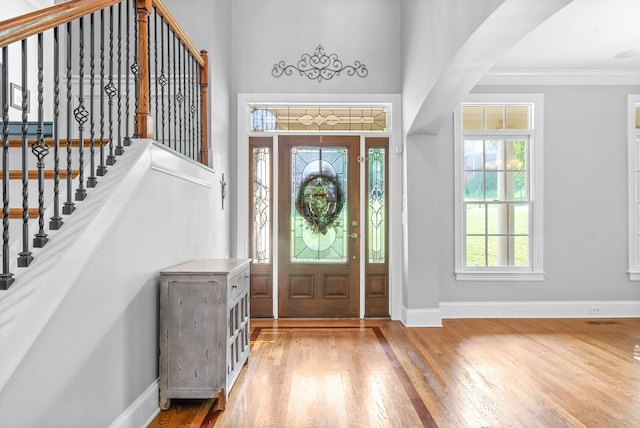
(319, 119)
(498, 188)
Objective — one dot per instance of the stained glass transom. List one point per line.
(320, 119)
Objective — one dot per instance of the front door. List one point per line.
(318, 242)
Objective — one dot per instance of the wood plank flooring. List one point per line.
(470, 373)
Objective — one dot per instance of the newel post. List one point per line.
(144, 8)
(204, 84)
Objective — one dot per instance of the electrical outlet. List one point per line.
(595, 310)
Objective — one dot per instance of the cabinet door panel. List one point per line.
(192, 313)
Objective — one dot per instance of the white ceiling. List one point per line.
(586, 34)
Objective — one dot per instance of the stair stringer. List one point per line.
(60, 350)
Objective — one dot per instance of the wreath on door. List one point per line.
(319, 201)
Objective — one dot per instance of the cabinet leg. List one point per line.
(165, 402)
(221, 402)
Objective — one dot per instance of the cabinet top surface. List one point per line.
(212, 266)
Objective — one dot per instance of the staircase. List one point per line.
(88, 226)
(15, 185)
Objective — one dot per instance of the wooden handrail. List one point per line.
(19, 28)
(15, 29)
(144, 9)
(170, 20)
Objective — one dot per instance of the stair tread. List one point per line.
(16, 174)
(17, 212)
(17, 142)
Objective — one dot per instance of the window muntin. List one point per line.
(497, 221)
(496, 117)
(496, 199)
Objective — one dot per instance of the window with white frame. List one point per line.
(498, 189)
(634, 187)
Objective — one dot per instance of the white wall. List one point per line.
(266, 32)
(432, 32)
(209, 29)
(424, 169)
(98, 352)
(585, 201)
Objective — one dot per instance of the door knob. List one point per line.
(353, 235)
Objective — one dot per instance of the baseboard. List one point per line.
(142, 411)
(566, 309)
(421, 317)
(569, 309)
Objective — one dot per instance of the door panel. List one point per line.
(318, 248)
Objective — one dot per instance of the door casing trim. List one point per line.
(396, 211)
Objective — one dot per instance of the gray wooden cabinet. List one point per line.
(204, 328)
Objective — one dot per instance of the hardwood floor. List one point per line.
(470, 373)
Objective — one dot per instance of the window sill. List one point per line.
(502, 276)
(634, 275)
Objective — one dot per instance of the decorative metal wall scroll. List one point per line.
(319, 66)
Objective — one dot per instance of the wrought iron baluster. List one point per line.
(92, 181)
(196, 129)
(185, 101)
(190, 104)
(6, 277)
(69, 205)
(185, 107)
(119, 149)
(135, 70)
(127, 138)
(199, 112)
(202, 153)
(193, 109)
(102, 168)
(180, 97)
(25, 257)
(111, 90)
(80, 114)
(169, 98)
(56, 222)
(40, 149)
(174, 60)
(155, 59)
(162, 78)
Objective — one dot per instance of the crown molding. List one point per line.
(561, 77)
